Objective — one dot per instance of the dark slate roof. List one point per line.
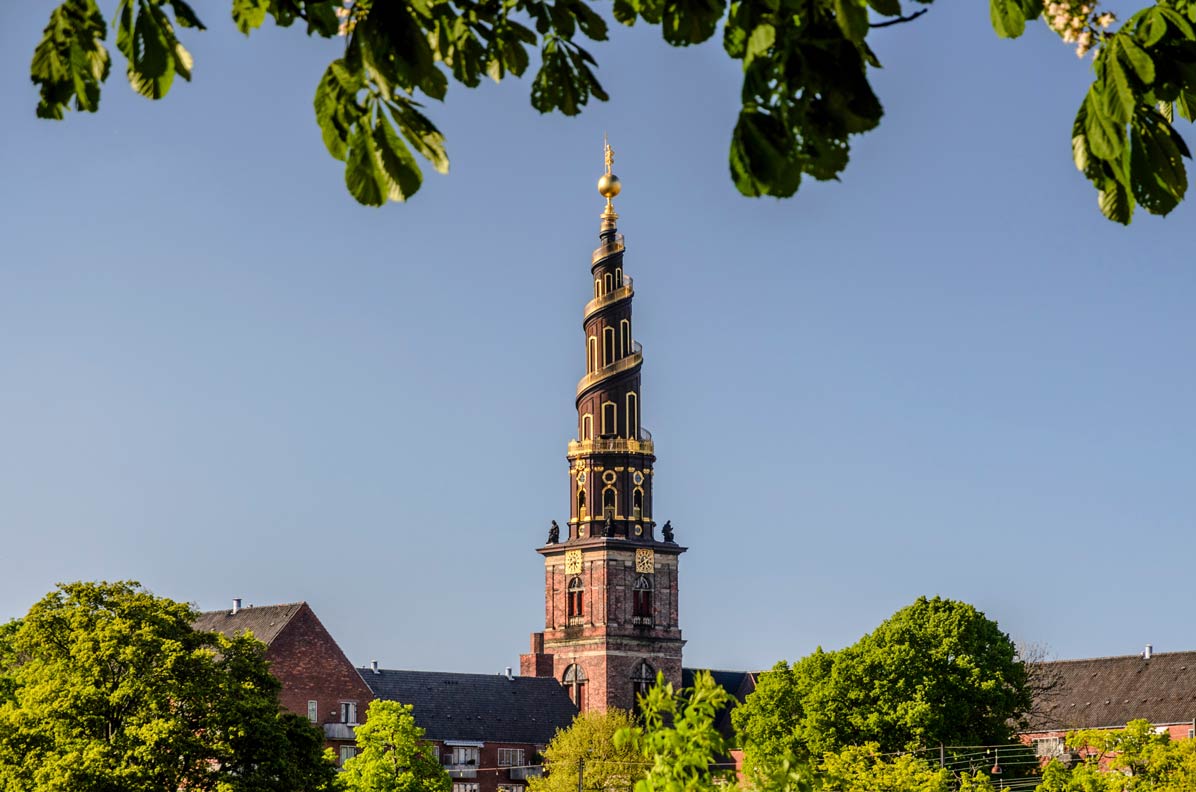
(1110, 691)
(265, 622)
(483, 707)
(738, 683)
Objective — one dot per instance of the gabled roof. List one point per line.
(483, 707)
(1110, 691)
(265, 622)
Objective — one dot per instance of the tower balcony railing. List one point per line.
(624, 363)
(639, 445)
(608, 248)
(613, 296)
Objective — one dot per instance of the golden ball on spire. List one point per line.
(609, 185)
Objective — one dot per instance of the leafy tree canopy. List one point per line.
(678, 743)
(936, 672)
(591, 737)
(1133, 759)
(863, 768)
(104, 687)
(391, 754)
(805, 76)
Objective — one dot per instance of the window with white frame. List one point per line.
(347, 753)
(1048, 746)
(434, 752)
(510, 757)
(465, 788)
(313, 711)
(510, 788)
(348, 712)
(465, 755)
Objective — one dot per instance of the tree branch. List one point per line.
(899, 20)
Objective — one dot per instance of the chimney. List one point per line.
(509, 676)
(236, 605)
(1147, 651)
(374, 666)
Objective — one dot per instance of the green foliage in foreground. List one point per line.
(805, 76)
(104, 686)
(391, 754)
(678, 742)
(682, 751)
(1134, 759)
(591, 737)
(936, 672)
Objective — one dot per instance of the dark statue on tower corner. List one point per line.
(668, 530)
(554, 533)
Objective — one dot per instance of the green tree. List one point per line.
(805, 76)
(107, 687)
(678, 741)
(391, 754)
(591, 737)
(686, 753)
(936, 672)
(1133, 759)
(864, 769)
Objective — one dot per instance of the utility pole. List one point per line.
(942, 756)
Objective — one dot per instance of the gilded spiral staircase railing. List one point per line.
(622, 292)
(625, 363)
(608, 248)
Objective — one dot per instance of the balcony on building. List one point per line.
(340, 731)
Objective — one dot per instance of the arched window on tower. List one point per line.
(608, 502)
(574, 681)
(587, 427)
(608, 282)
(581, 504)
(642, 679)
(618, 277)
(637, 503)
(608, 346)
(633, 416)
(641, 601)
(624, 337)
(575, 604)
(597, 288)
(592, 355)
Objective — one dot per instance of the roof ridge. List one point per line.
(1138, 656)
(243, 608)
(370, 669)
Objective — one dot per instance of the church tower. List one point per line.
(610, 584)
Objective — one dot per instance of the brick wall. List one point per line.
(311, 667)
(487, 774)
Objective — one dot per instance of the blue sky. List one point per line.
(945, 374)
